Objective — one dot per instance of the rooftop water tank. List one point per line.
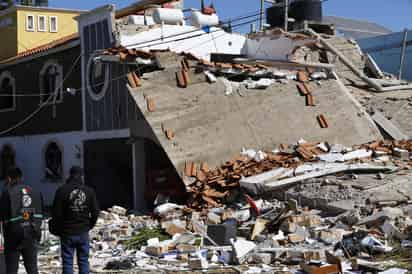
(275, 16)
(168, 16)
(200, 20)
(306, 10)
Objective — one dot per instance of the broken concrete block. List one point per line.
(213, 218)
(174, 227)
(330, 237)
(241, 249)
(259, 227)
(119, 210)
(296, 238)
(392, 231)
(261, 258)
(401, 153)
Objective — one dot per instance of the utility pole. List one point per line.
(403, 50)
(286, 14)
(262, 7)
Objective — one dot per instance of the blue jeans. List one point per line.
(80, 243)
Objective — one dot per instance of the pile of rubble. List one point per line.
(224, 229)
(285, 166)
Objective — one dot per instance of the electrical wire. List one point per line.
(40, 107)
(186, 32)
(54, 97)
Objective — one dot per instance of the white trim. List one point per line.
(38, 23)
(50, 24)
(27, 23)
(59, 82)
(105, 86)
(6, 74)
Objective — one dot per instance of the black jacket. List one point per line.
(15, 235)
(75, 208)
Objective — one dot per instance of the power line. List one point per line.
(188, 32)
(34, 113)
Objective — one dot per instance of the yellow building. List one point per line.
(25, 27)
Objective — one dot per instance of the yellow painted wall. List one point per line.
(31, 39)
(8, 34)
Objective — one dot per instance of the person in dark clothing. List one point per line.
(75, 212)
(21, 213)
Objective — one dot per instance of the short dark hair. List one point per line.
(76, 171)
(14, 173)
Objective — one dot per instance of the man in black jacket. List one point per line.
(21, 212)
(75, 212)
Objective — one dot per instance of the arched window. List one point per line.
(7, 92)
(8, 159)
(51, 82)
(97, 78)
(53, 157)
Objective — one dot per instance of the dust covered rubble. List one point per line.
(260, 232)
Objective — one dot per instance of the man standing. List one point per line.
(75, 212)
(21, 212)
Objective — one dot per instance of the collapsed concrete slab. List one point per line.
(209, 125)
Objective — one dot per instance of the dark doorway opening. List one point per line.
(108, 168)
(162, 179)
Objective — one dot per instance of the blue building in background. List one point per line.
(386, 50)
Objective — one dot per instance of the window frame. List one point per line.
(33, 29)
(38, 23)
(104, 86)
(12, 149)
(51, 25)
(59, 82)
(44, 160)
(7, 74)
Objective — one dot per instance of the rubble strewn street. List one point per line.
(228, 228)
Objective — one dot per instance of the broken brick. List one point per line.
(322, 121)
(150, 104)
(302, 89)
(303, 76)
(169, 134)
(309, 100)
(188, 169)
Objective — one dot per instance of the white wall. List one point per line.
(195, 41)
(30, 155)
(271, 48)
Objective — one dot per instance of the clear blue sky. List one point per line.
(393, 14)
